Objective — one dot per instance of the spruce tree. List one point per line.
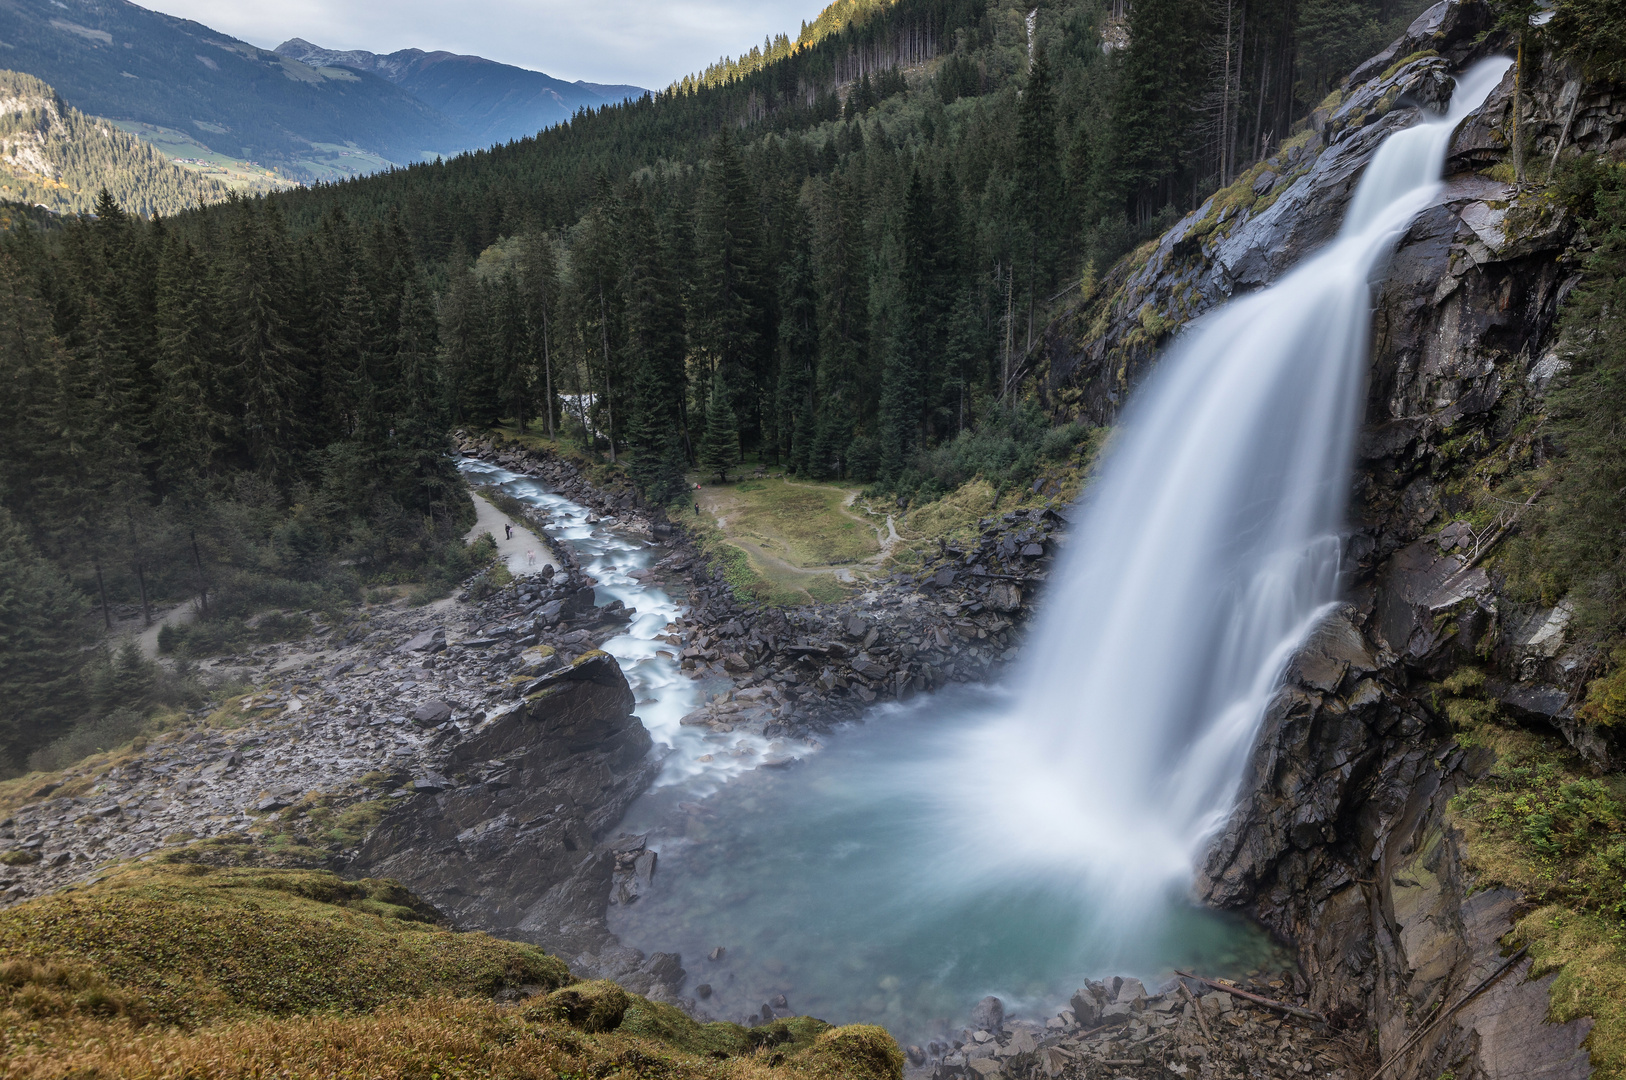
(267, 377)
(720, 449)
(41, 646)
(726, 302)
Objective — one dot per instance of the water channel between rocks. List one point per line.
(827, 885)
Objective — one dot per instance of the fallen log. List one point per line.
(1280, 1006)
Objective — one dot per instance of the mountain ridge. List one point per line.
(495, 102)
(53, 156)
(116, 59)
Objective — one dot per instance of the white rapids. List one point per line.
(695, 757)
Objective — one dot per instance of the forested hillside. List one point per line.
(856, 244)
(839, 260)
(55, 156)
(242, 419)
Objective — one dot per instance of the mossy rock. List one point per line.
(187, 944)
(249, 972)
(593, 1007)
(856, 1052)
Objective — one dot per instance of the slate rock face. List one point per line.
(511, 846)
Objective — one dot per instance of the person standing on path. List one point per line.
(508, 531)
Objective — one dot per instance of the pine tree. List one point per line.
(428, 483)
(726, 302)
(1160, 83)
(656, 344)
(798, 346)
(268, 376)
(510, 349)
(720, 449)
(1039, 180)
(189, 418)
(41, 646)
(539, 269)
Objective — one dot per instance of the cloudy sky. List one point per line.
(641, 42)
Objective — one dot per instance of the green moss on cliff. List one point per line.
(1541, 823)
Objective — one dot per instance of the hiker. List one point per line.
(508, 531)
(530, 558)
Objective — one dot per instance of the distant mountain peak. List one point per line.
(497, 102)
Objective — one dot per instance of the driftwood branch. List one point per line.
(1280, 1006)
(1197, 1007)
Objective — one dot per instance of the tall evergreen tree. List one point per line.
(726, 296)
(721, 448)
(42, 646)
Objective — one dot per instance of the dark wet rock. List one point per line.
(989, 1015)
(520, 860)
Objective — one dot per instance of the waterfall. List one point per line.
(1205, 552)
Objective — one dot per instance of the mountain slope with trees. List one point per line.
(115, 59)
(866, 233)
(55, 156)
(493, 102)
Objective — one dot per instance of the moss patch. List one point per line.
(193, 945)
(173, 969)
(1589, 955)
(1542, 823)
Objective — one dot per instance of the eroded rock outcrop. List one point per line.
(514, 847)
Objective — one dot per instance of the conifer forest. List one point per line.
(834, 255)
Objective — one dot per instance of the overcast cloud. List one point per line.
(642, 42)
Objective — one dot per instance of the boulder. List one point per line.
(536, 661)
(1130, 991)
(989, 1014)
(1005, 596)
(432, 713)
(430, 641)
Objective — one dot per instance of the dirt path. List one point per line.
(525, 553)
(179, 615)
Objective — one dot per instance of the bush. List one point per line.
(1005, 449)
(90, 737)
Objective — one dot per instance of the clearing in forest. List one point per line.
(800, 535)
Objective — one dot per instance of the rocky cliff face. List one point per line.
(1341, 841)
(554, 773)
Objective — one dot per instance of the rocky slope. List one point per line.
(1342, 842)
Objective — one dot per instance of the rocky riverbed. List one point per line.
(806, 669)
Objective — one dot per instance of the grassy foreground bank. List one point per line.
(175, 969)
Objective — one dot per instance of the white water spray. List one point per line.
(1208, 549)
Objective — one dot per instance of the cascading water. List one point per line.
(1013, 840)
(1208, 549)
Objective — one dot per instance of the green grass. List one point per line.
(802, 522)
